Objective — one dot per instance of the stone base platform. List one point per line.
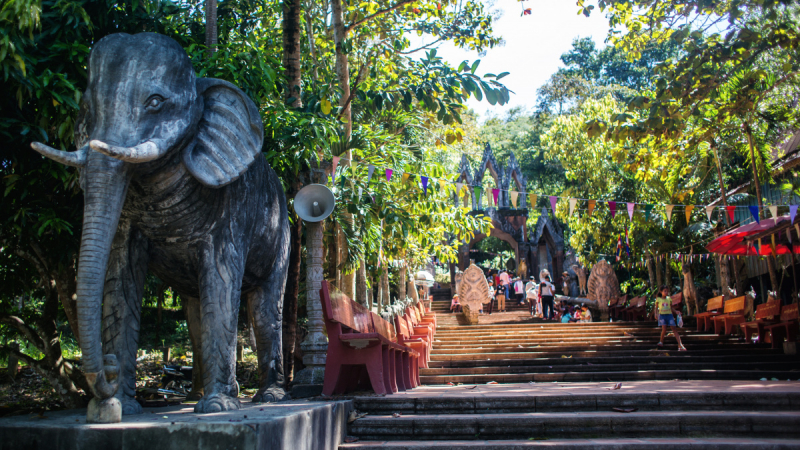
(295, 425)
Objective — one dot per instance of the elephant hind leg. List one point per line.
(220, 290)
(265, 308)
(122, 308)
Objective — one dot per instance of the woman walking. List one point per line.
(547, 292)
(664, 311)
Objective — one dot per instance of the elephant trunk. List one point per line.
(105, 190)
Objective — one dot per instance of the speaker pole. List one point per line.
(315, 344)
(313, 204)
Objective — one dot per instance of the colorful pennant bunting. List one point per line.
(773, 211)
(792, 212)
(424, 184)
(689, 209)
(630, 210)
(592, 204)
(553, 201)
(514, 195)
(669, 212)
(612, 206)
(495, 193)
(572, 203)
(389, 174)
(533, 198)
(709, 211)
(731, 210)
(754, 212)
(370, 170)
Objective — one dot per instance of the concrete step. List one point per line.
(613, 376)
(462, 400)
(572, 425)
(620, 352)
(739, 443)
(577, 366)
(610, 346)
(678, 357)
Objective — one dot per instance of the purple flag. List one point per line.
(792, 212)
(613, 207)
(424, 184)
(754, 212)
(388, 174)
(553, 201)
(495, 192)
(370, 169)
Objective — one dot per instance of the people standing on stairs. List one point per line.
(505, 281)
(532, 293)
(500, 296)
(664, 311)
(519, 291)
(547, 293)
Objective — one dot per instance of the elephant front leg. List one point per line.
(220, 290)
(122, 307)
(193, 320)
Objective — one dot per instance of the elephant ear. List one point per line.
(229, 134)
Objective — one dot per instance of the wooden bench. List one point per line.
(733, 315)
(766, 314)
(637, 309)
(355, 354)
(405, 364)
(615, 306)
(786, 328)
(712, 309)
(418, 342)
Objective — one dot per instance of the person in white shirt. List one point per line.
(519, 290)
(532, 293)
(547, 293)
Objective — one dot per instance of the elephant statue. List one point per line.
(174, 182)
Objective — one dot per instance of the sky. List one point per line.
(533, 45)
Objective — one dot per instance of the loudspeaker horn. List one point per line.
(314, 203)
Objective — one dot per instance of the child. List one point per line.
(568, 316)
(586, 315)
(664, 311)
(455, 306)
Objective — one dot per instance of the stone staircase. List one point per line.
(522, 352)
(518, 383)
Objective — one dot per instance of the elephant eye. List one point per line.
(154, 102)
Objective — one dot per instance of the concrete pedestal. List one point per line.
(294, 425)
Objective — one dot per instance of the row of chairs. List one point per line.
(773, 323)
(366, 351)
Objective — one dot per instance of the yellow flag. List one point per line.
(533, 200)
(514, 195)
(592, 204)
(669, 212)
(443, 185)
(689, 209)
(405, 177)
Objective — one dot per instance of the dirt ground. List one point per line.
(32, 393)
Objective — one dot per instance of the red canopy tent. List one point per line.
(744, 240)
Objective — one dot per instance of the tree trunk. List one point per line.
(723, 264)
(290, 299)
(651, 272)
(386, 297)
(211, 27)
(659, 273)
(401, 282)
(773, 278)
(689, 290)
(13, 361)
(291, 51)
(361, 283)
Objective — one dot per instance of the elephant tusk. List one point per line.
(146, 151)
(74, 159)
